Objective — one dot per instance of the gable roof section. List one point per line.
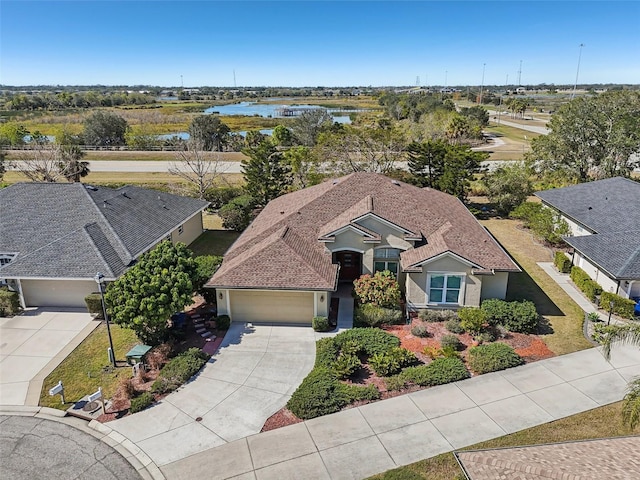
(609, 205)
(69, 230)
(318, 210)
(611, 209)
(618, 253)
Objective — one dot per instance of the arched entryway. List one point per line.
(350, 264)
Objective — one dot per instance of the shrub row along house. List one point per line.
(55, 237)
(291, 259)
(604, 218)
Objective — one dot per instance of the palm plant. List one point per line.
(628, 333)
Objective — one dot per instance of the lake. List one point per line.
(270, 110)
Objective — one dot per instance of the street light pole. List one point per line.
(575, 85)
(482, 84)
(99, 280)
(611, 303)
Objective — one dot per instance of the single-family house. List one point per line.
(55, 237)
(604, 218)
(291, 259)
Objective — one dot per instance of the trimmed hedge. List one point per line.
(380, 289)
(438, 372)
(370, 315)
(140, 403)
(621, 306)
(521, 317)
(179, 370)
(493, 357)
(437, 315)
(370, 340)
(320, 324)
(9, 303)
(583, 282)
(562, 262)
(94, 305)
(223, 322)
(320, 393)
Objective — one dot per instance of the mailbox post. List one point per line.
(58, 389)
(97, 396)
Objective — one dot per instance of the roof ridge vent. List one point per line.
(91, 187)
(395, 182)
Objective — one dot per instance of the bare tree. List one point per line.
(40, 162)
(195, 166)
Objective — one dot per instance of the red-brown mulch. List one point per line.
(530, 347)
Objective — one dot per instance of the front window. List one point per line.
(386, 259)
(445, 288)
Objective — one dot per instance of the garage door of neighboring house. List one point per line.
(57, 293)
(264, 306)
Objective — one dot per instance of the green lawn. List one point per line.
(83, 371)
(564, 330)
(601, 422)
(213, 242)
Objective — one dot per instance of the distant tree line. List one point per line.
(66, 100)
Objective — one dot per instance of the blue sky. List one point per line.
(322, 43)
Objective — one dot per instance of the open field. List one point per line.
(602, 422)
(563, 315)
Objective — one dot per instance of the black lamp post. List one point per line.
(99, 280)
(610, 311)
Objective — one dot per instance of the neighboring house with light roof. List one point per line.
(55, 237)
(291, 259)
(604, 218)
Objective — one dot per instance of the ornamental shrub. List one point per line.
(10, 303)
(419, 331)
(370, 340)
(454, 326)
(451, 341)
(320, 393)
(179, 370)
(438, 372)
(356, 393)
(94, 305)
(345, 365)
(381, 289)
(370, 315)
(141, 402)
(562, 262)
(621, 306)
(437, 315)
(327, 352)
(392, 361)
(320, 324)
(472, 319)
(519, 317)
(493, 357)
(395, 382)
(223, 322)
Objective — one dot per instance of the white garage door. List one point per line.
(57, 293)
(263, 306)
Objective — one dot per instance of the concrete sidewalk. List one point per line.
(363, 441)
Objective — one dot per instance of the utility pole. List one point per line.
(417, 80)
(234, 78)
(575, 85)
(181, 82)
(520, 75)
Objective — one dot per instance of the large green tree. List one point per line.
(104, 129)
(209, 132)
(508, 186)
(426, 161)
(591, 137)
(307, 127)
(160, 284)
(266, 173)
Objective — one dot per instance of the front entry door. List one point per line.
(350, 265)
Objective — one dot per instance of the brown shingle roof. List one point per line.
(267, 255)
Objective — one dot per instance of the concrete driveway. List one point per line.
(32, 345)
(251, 377)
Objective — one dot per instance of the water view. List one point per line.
(251, 109)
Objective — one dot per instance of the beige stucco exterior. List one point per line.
(191, 229)
(494, 286)
(57, 293)
(607, 283)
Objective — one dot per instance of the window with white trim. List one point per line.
(5, 258)
(386, 259)
(445, 288)
(180, 229)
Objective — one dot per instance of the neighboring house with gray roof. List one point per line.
(286, 265)
(55, 237)
(604, 218)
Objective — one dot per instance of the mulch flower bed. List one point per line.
(530, 347)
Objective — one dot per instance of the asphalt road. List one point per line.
(32, 448)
